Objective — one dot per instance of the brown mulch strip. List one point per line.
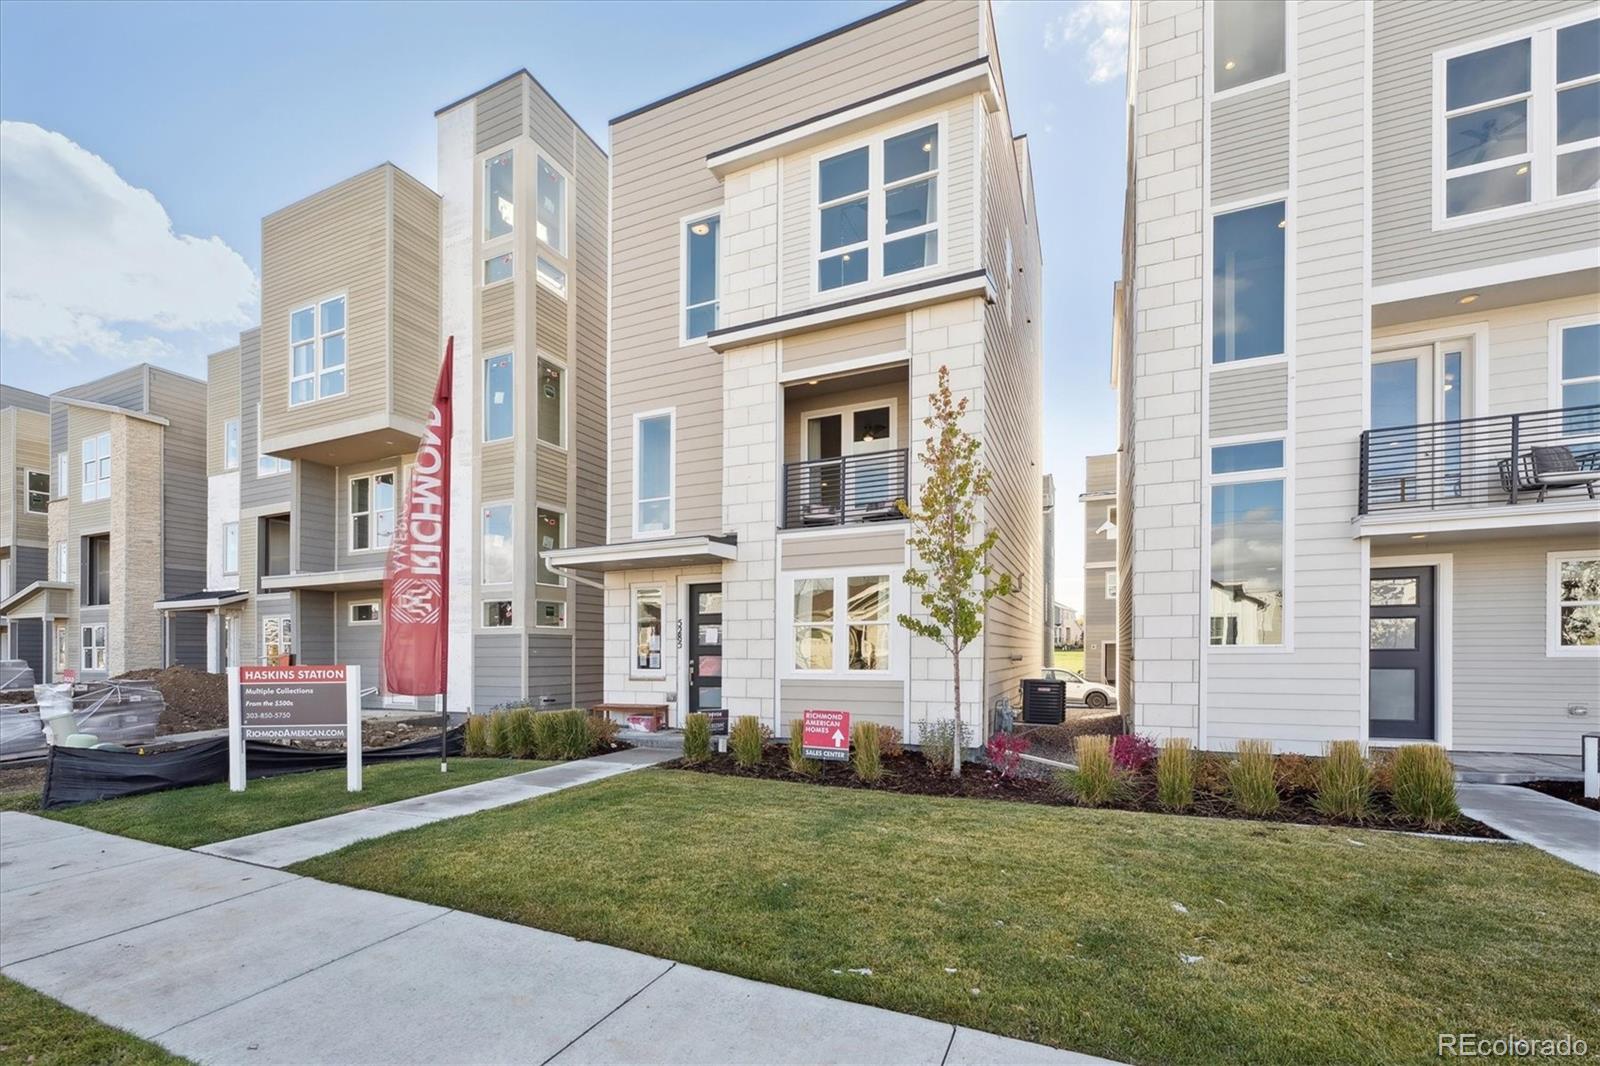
(1060, 742)
(194, 699)
(910, 774)
(1571, 791)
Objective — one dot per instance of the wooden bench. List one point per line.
(658, 711)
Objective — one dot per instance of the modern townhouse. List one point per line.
(798, 247)
(1359, 362)
(524, 198)
(125, 527)
(1099, 501)
(24, 519)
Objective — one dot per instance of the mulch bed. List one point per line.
(1060, 742)
(1571, 791)
(195, 700)
(910, 774)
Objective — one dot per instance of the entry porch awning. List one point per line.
(42, 599)
(208, 600)
(648, 554)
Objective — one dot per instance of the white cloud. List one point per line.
(90, 265)
(1099, 29)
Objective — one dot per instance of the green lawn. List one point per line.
(1049, 924)
(42, 1032)
(1070, 660)
(189, 817)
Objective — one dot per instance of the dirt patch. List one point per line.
(1571, 791)
(911, 774)
(1060, 742)
(16, 695)
(195, 700)
(379, 733)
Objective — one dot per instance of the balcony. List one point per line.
(849, 490)
(1539, 465)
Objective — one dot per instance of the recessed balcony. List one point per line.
(845, 449)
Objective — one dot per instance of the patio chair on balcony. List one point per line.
(1545, 468)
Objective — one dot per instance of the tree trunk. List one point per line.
(955, 741)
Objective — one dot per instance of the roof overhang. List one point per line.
(339, 442)
(202, 601)
(109, 408)
(328, 580)
(647, 554)
(968, 79)
(19, 600)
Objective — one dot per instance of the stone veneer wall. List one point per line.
(134, 632)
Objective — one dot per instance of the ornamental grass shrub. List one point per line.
(1424, 787)
(696, 739)
(1252, 782)
(745, 741)
(500, 733)
(1175, 774)
(1097, 780)
(864, 754)
(476, 741)
(798, 763)
(603, 730)
(523, 734)
(1344, 782)
(571, 734)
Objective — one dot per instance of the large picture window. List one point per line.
(1574, 592)
(371, 511)
(648, 620)
(878, 209)
(550, 528)
(1575, 373)
(1247, 42)
(700, 246)
(497, 561)
(316, 351)
(1247, 283)
(1247, 547)
(842, 623)
(96, 468)
(499, 196)
(230, 444)
(552, 196)
(552, 403)
(499, 398)
(652, 448)
(38, 491)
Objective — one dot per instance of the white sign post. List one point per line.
(278, 702)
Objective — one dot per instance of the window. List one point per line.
(364, 613)
(1574, 583)
(230, 444)
(499, 196)
(371, 512)
(551, 225)
(1520, 120)
(94, 647)
(61, 560)
(60, 485)
(1247, 42)
(230, 547)
(5, 583)
(1011, 270)
(498, 564)
(867, 606)
(862, 629)
(1247, 284)
(878, 209)
(551, 400)
(1111, 584)
(497, 614)
(499, 398)
(550, 614)
(551, 276)
(316, 351)
(277, 637)
(95, 585)
(267, 465)
(1247, 549)
(38, 482)
(652, 447)
(648, 615)
(274, 545)
(550, 529)
(60, 651)
(813, 623)
(700, 259)
(96, 467)
(1575, 372)
(498, 268)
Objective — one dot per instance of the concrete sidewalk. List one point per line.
(278, 848)
(1563, 829)
(226, 962)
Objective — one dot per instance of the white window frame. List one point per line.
(511, 392)
(230, 548)
(639, 418)
(634, 595)
(230, 444)
(61, 560)
(1287, 73)
(538, 550)
(1553, 648)
(270, 465)
(483, 614)
(876, 217)
(509, 254)
(372, 512)
(96, 467)
(1554, 345)
(60, 649)
(684, 306)
(1208, 322)
(377, 613)
(562, 250)
(847, 441)
(61, 486)
(542, 356)
(1272, 473)
(899, 638)
(1111, 586)
(538, 615)
(28, 491)
(551, 275)
(285, 634)
(1542, 148)
(483, 556)
(319, 338)
(95, 645)
(483, 167)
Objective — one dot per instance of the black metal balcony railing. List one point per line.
(844, 491)
(1480, 462)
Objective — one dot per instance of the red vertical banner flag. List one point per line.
(416, 579)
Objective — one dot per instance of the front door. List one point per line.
(1400, 648)
(705, 655)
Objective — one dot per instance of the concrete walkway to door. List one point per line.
(1563, 829)
(225, 962)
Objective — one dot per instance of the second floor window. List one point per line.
(1575, 374)
(1247, 287)
(700, 238)
(551, 224)
(878, 209)
(94, 647)
(95, 588)
(96, 467)
(499, 402)
(652, 446)
(498, 197)
(550, 529)
(317, 351)
(497, 561)
(38, 492)
(1248, 42)
(230, 444)
(552, 403)
(371, 512)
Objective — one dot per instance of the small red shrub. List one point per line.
(1004, 752)
(1132, 752)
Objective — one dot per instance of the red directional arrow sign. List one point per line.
(825, 734)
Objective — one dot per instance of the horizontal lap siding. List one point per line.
(550, 129)
(418, 348)
(125, 388)
(500, 113)
(1249, 400)
(315, 525)
(885, 547)
(314, 628)
(222, 404)
(254, 491)
(587, 434)
(879, 702)
(842, 344)
(182, 401)
(497, 669)
(1250, 145)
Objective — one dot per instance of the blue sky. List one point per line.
(143, 143)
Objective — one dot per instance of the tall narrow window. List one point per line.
(371, 511)
(96, 467)
(911, 200)
(552, 403)
(700, 245)
(499, 401)
(550, 529)
(230, 547)
(38, 485)
(867, 605)
(230, 444)
(317, 351)
(843, 183)
(1247, 548)
(60, 650)
(552, 195)
(61, 560)
(94, 647)
(647, 629)
(1111, 584)
(95, 586)
(652, 445)
(1247, 284)
(813, 623)
(1578, 107)
(1247, 42)
(499, 197)
(60, 486)
(277, 638)
(497, 561)
(1576, 373)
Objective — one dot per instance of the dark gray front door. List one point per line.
(1400, 685)
(705, 655)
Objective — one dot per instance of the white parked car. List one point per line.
(1090, 693)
